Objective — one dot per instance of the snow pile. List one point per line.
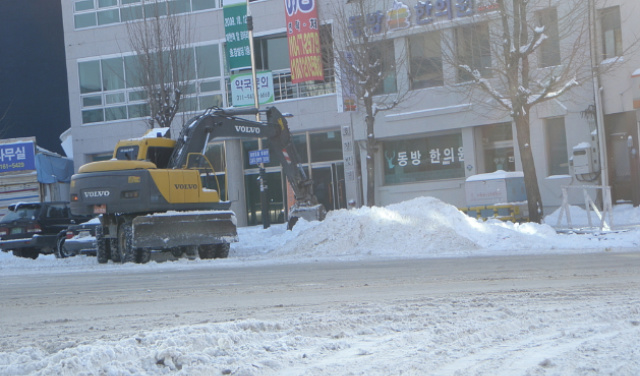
(426, 227)
(421, 227)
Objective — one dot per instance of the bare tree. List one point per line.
(537, 51)
(369, 58)
(164, 61)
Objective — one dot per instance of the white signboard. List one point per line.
(242, 89)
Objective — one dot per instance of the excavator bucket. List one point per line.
(307, 212)
(176, 229)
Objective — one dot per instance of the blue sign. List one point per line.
(258, 156)
(19, 156)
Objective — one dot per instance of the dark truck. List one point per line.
(32, 228)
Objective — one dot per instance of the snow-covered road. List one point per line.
(514, 315)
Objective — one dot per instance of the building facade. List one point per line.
(428, 145)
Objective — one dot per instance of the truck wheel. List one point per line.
(125, 247)
(113, 245)
(103, 250)
(176, 252)
(207, 251)
(222, 250)
(125, 243)
(191, 251)
(61, 252)
(142, 255)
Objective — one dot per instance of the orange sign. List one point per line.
(305, 54)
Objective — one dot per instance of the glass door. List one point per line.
(329, 185)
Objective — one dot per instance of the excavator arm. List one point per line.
(219, 123)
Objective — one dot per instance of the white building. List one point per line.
(438, 136)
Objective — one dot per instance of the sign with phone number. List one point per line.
(242, 89)
(17, 157)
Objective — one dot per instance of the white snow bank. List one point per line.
(421, 227)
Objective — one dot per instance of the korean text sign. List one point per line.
(237, 34)
(424, 158)
(18, 156)
(305, 55)
(242, 89)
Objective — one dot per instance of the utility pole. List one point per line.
(264, 188)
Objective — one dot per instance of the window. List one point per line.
(130, 13)
(497, 144)
(557, 156)
(425, 60)
(611, 32)
(108, 17)
(112, 74)
(84, 5)
(208, 61)
(112, 89)
(203, 4)
(113, 11)
(272, 53)
(385, 53)
(473, 51)
(107, 3)
(549, 51)
(426, 158)
(89, 76)
(326, 146)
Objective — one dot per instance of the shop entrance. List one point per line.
(329, 186)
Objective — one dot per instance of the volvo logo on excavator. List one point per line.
(245, 129)
(96, 194)
(186, 186)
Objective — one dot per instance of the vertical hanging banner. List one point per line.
(237, 34)
(305, 55)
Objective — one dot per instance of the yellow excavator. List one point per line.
(156, 194)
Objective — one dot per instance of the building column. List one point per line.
(235, 180)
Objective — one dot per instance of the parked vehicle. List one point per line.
(78, 239)
(29, 229)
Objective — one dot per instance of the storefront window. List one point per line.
(275, 198)
(326, 146)
(425, 158)
(497, 140)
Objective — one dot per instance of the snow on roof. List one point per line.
(582, 145)
(500, 174)
(156, 132)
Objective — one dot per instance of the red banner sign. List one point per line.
(305, 55)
